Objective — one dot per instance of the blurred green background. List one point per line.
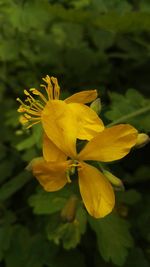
(86, 44)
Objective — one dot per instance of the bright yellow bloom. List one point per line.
(60, 158)
(33, 109)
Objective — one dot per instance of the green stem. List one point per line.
(129, 116)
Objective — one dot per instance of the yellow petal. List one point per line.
(97, 193)
(51, 152)
(112, 144)
(89, 124)
(82, 97)
(60, 125)
(51, 175)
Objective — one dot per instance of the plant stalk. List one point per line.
(129, 116)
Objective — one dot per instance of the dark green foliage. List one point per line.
(110, 247)
(69, 233)
(102, 44)
(138, 109)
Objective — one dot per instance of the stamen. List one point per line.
(32, 108)
(23, 120)
(28, 109)
(33, 102)
(56, 88)
(21, 109)
(36, 92)
(33, 123)
(68, 177)
(49, 87)
(28, 94)
(27, 116)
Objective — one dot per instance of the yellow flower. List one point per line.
(33, 109)
(60, 158)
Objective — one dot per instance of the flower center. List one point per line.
(32, 108)
(72, 169)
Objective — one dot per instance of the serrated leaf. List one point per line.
(132, 108)
(69, 233)
(49, 202)
(46, 203)
(113, 238)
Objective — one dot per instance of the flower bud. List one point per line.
(68, 213)
(115, 181)
(96, 105)
(142, 140)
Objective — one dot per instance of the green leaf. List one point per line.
(26, 143)
(13, 185)
(2, 152)
(6, 168)
(49, 202)
(113, 238)
(101, 38)
(121, 6)
(5, 47)
(35, 139)
(6, 231)
(71, 258)
(136, 258)
(140, 175)
(5, 237)
(132, 108)
(78, 4)
(143, 219)
(144, 6)
(69, 233)
(27, 250)
(129, 197)
(112, 21)
(31, 11)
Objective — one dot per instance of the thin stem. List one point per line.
(129, 116)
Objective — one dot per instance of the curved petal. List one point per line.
(60, 125)
(89, 124)
(112, 144)
(97, 193)
(82, 97)
(51, 152)
(51, 175)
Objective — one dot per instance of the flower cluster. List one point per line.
(64, 124)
